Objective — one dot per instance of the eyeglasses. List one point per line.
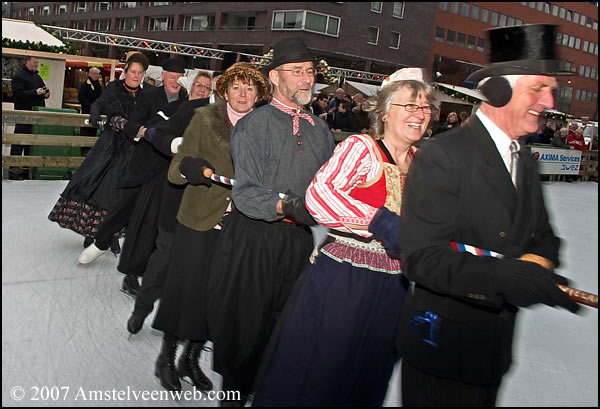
(413, 108)
(206, 87)
(298, 72)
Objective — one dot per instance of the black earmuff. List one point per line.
(497, 90)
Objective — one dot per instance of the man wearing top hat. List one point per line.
(468, 187)
(265, 244)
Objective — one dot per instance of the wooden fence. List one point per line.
(44, 118)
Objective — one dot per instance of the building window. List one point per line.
(532, 4)
(128, 4)
(376, 6)
(558, 38)
(480, 44)
(160, 3)
(585, 46)
(595, 25)
(31, 11)
(80, 7)
(398, 9)
(475, 12)
(460, 39)
(160, 24)
(563, 12)
(581, 70)
(494, 20)
(569, 15)
(540, 5)
(103, 5)
(577, 43)
(444, 5)
(577, 94)
(510, 21)
(565, 39)
(395, 40)
(287, 20)
(440, 33)
(45, 11)
(571, 42)
(587, 72)
(80, 25)
(555, 10)
(582, 20)
(518, 22)
(464, 10)
(593, 73)
(333, 26)
(61, 9)
(129, 24)
(576, 18)
(102, 25)
(321, 23)
(502, 20)
(547, 8)
(450, 37)
(484, 15)
(373, 35)
(471, 42)
(583, 95)
(199, 23)
(454, 7)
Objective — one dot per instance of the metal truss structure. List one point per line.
(184, 49)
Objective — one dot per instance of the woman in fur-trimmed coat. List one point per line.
(182, 311)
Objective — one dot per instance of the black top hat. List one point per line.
(289, 49)
(174, 65)
(521, 50)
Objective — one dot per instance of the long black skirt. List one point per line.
(142, 227)
(182, 310)
(254, 269)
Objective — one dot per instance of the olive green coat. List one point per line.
(207, 136)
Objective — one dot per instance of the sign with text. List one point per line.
(557, 161)
(44, 70)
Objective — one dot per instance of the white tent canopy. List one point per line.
(473, 93)
(318, 87)
(367, 89)
(18, 30)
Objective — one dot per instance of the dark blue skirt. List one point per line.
(335, 344)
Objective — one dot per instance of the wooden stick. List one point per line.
(580, 297)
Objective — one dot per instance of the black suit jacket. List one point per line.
(459, 190)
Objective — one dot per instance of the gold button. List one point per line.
(502, 234)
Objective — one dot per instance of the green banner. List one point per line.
(44, 70)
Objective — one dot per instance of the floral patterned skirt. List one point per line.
(78, 216)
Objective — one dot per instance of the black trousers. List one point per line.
(117, 218)
(422, 389)
(155, 274)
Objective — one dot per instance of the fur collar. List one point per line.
(215, 120)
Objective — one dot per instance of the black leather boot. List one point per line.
(130, 285)
(135, 323)
(188, 366)
(165, 365)
(115, 247)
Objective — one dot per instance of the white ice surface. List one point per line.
(63, 324)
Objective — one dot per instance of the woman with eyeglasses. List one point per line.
(335, 344)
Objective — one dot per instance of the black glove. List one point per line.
(293, 207)
(385, 225)
(149, 134)
(192, 169)
(94, 119)
(524, 284)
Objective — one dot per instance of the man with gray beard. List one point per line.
(266, 240)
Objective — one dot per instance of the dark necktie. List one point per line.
(514, 157)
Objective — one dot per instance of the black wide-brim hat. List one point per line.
(521, 50)
(139, 58)
(286, 50)
(174, 65)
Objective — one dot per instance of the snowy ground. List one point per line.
(64, 335)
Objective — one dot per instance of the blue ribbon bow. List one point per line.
(433, 321)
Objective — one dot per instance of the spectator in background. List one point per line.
(357, 100)
(344, 120)
(576, 141)
(318, 106)
(547, 134)
(362, 116)
(89, 92)
(334, 104)
(462, 117)
(451, 122)
(151, 81)
(29, 90)
(559, 139)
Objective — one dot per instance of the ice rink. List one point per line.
(64, 340)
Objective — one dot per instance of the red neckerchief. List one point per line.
(295, 112)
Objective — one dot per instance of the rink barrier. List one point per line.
(10, 116)
(589, 165)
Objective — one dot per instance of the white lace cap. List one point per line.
(404, 74)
